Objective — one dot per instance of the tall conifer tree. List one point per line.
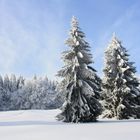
(120, 85)
(80, 82)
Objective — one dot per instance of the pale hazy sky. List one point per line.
(32, 32)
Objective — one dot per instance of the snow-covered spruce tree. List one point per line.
(120, 86)
(80, 82)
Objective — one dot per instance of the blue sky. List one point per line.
(32, 32)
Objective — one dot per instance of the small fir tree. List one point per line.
(80, 83)
(120, 86)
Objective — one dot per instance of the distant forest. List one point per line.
(18, 93)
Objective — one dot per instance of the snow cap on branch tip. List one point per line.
(74, 22)
(114, 38)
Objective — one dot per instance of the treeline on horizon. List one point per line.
(18, 93)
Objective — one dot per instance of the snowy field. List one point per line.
(41, 125)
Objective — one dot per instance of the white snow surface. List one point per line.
(42, 125)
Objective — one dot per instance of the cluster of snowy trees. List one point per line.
(82, 92)
(87, 96)
(17, 93)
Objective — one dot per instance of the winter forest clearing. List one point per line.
(42, 125)
(79, 103)
(91, 107)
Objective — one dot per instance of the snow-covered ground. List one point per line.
(42, 125)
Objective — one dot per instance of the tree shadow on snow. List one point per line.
(22, 123)
(36, 122)
(119, 121)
